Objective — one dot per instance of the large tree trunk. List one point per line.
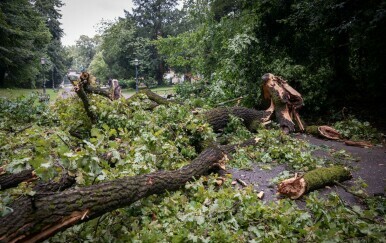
(41, 216)
(2, 77)
(218, 118)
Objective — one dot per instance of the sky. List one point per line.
(81, 17)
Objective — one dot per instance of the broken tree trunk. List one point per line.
(79, 87)
(87, 82)
(285, 101)
(218, 118)
(324, 132)
(39, 217)
(297, 186)
(331, 133)
(96, 90)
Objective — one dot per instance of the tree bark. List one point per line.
(96, 90)
(12, 180)
(39, 217)
(218, 118)
(159, 100)
(297, 186)
(86, 104)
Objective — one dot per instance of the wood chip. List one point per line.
(243, 183)
(220, 181)
(260, 195)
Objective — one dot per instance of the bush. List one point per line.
(23, 110)
(127, 83)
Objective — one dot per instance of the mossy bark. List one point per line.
(313, 130)
(322, 177)
(297, 186)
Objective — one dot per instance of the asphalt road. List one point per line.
(370, 165)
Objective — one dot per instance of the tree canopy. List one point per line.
(30, 30)
(332, 51)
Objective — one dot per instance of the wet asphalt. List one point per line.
(368, 164)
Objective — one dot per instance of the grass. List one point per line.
(14, 93)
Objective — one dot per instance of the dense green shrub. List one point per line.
(127, 83)
(15, 112)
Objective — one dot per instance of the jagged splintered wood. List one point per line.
(285, 101)
(39, 217)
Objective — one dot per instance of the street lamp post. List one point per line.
(43, 62)
(53, 81)
(136, 62)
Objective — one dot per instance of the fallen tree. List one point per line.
(218, 118)
(38, 217)
(285, 102)
(55, 208)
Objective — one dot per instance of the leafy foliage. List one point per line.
(203, 212)
(353, 129)
(21, 111)
(323, 48)
(23, 39)
(130, 140)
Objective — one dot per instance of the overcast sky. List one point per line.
(80, 17)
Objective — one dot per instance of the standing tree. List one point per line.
(49, 9)
(23, 40)
(156, 18)
(86, 47)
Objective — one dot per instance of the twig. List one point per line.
(355, 212)
(21, 130)
(97, 225)
(68, 145)
(228, 101)
(350, 191)
(243, 183)
(96, 178)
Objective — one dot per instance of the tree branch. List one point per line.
(38, 219)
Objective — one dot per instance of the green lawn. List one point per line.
(14, 93)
